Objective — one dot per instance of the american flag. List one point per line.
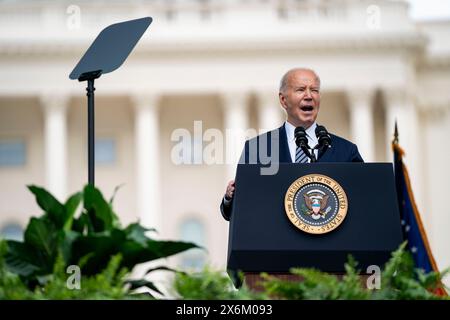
(413, 230)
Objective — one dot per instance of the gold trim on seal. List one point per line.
(329, 183)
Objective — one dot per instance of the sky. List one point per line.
(429, 9)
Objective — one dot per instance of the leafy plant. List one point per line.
(11, 286)
(86, 232)
(210, 285)
(399, 281)
(108, 284)
(90, 240)
(318, 285)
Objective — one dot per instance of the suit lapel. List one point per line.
(325, 154)
(285, 155)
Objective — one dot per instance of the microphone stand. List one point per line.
(310, 155)
(321, 149)
(313, 155)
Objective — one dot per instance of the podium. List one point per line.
(264, 238)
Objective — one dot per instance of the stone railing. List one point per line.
(51, 15)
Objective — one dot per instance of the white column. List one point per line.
(235, 126)
(361, 122)
(147, 160)
(399, 106)
(271, 115)
(435, 117)
(55, 139)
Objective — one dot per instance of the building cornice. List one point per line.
(398, 42)
(435, 62)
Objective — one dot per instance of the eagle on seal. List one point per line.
(316, 205)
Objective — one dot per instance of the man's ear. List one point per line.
(282, 100)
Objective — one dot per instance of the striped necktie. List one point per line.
(300, 156)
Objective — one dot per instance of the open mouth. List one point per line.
(307, 108)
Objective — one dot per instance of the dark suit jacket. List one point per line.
(341, 151)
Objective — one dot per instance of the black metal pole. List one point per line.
(91, 131)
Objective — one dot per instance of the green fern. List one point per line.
(209, 285)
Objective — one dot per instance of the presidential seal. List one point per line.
(316, 204)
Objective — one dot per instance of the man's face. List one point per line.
(301, 98)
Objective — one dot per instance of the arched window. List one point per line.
(12, 231)
(193, 230)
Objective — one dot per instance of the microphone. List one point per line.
(323, 136)
(301, 140)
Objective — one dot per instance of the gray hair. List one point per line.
(285, 78)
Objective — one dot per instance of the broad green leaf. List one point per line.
(114, 193)
(66, 240)
(21, 259)
(168, 248)
(135, 253)
(101, 245)
(51, 206)
(42, 236)
(132, 253)
(99, 211)
(79, 225)
(83, 224)
(136, 232)
(71, 206)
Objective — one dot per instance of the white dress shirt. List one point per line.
(310, 133)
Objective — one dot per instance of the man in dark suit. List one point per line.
(299, 95)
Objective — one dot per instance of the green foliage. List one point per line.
(91, 241)
(108, 284)
(85, 232)
(318, 285)
(11, 286)
(351, 287)
(399, 281)
(210, 285)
